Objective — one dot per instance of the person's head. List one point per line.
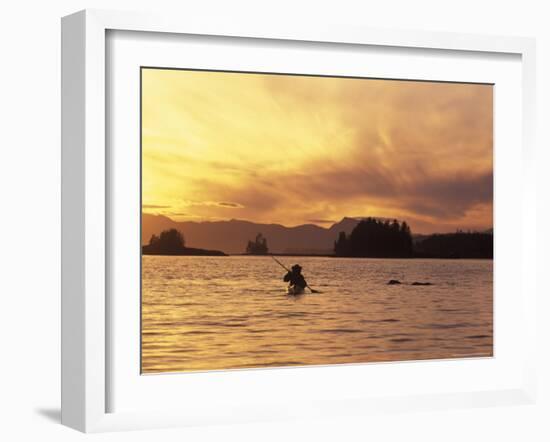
(296, 268)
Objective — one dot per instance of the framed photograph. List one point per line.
(264, 223)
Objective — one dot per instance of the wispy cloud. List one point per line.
(223, 204)
(154, 206)
(230, 205)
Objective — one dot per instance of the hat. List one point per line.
(296, 267)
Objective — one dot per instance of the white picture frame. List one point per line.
(86, 206)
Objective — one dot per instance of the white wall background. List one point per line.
(30, 215)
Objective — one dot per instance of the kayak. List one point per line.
(295, 290)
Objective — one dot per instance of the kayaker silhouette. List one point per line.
(296, 281)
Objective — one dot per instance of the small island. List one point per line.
(171, 242)
(258, 246)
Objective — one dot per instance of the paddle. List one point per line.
(283, 266)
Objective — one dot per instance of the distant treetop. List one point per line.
(376, 239)
(169, 241)
(258, 246)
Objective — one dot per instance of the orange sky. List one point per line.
(295, 149)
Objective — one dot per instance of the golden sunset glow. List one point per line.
(298, 149)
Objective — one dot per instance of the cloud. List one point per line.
(436, 199)
(290, 150)
(154, 206)
(229, 204)
(223, 204)
(451, 196)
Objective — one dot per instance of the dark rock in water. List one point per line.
(397, 282)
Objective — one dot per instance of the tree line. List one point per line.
(376, 238)
(373, 238)
(456, 245)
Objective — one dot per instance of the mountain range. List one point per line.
(232, 236)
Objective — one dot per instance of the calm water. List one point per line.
(208, 313)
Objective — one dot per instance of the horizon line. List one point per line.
(333, 223)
